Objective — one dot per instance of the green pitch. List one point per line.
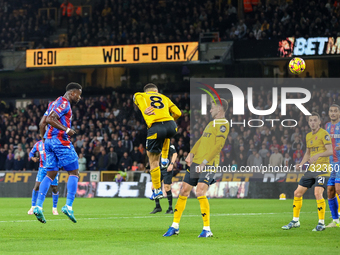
(124, 226)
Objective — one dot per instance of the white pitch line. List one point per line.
(160, 216)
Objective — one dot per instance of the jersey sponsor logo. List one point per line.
(335, 135)
(327, 138)
(205, 134)
(223, 129)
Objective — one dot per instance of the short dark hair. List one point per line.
(225, 104)
(315, 114)
(149, 86)
(73, 85)
(335, 105)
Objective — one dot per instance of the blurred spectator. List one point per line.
(113, 160)
(263, 152)
(119, 178)
(93, 163)
(134, 166)
(288, 161)
(258, 161)
(125, 163)
(9, 164)
(3, 156)
(276, 158)
(82, 162)
(297, 151)
(19, 164)
(103, 159)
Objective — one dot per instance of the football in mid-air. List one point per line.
(297, 65)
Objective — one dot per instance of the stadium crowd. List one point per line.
(271, 144)
(150, 21)
(111, 134)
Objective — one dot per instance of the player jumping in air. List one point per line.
(166, 177)
(59, 150)
(40, 147)
(156, 109)
(333, 128)
(204, 154)
(319, 148)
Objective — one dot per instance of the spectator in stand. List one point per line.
(66, 9)
(125, 163)
(9, 164)
(288, 161)
(113, 160)
(82, 162)
(298, 150)
(134, 166)
(276, 158)
(119, 178)
(3, 156)
(298, 158)
(103, 159)
(136, 155)
(258, 161)
(93, 163)
(263, 152)
(19, 164)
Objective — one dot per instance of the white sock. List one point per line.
(336, 220)
(207, 228)
(54, 208)
(164, 159)
(295, 218)
(158, 190)
(175, 225)
(39, 207)
(322, 221)
(69, 207)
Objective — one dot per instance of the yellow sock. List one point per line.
(205, 210)
(297, 204)
(337, 197)
(165, 149)
(179, 208)
(156, 177)
(321, 208)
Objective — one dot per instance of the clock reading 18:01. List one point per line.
(49, 58)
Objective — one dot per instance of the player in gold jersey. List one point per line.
(204, 155)
(319, 148)
(156, 109)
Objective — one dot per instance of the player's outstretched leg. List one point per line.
(72, 185)
(205, 212)
(321, 205)
(179, 208)
(165, 153)
(34, 201)
(55, 197)
(333, 206)
(295, 223)
(44, 186)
